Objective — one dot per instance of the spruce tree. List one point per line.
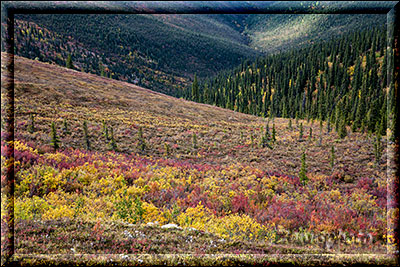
(206, 94)
(86, 135)
(301, 132)
(342, 128)
(167, 149)
(381, 129)
(290, 124)
(105, 130)
(65, 129)
(337, 119)
(69, 63)
(273, 133)
(55, 142)
(321, 125)
(266, 138)
(113, 144)
(141, 141)
(310, 136)
(328, 125)
(194, 140)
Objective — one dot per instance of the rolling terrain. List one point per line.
(148, 160)
(138, 48)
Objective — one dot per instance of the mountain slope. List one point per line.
(164, 51)
(223, 136)
(271, 33)
(148, 158)
(278, 32)
(138, 47)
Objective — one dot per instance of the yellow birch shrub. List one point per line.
(30, 208)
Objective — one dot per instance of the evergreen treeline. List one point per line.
(342, 81)
(134, 48)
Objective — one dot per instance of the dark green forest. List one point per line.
(342, 81)
(141, 49)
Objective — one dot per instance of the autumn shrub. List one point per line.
(30, 208)
(128, 209)
(234, 226)
(240, 204)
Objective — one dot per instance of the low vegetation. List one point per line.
(172, 176)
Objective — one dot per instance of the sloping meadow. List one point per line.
(197, 168)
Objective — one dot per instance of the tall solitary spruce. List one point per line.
(342, 129)
(69, 63)
(113, 144)
(55, 142)
(328, 125)
(290, 124)
(65, 129)
(86, 135)
(273, 133)
(141, 143)
(105, 130)
(167, 149)
(266, 138)
(194, 141)
(301, 132)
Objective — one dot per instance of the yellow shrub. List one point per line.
(29, 208)
(63, 211)
(196, 217)
(22, 187)
(152, 213)
(18, 145)
(61, 205)
(242, 227)
(58, 157)
(134, 191)
(234, 226)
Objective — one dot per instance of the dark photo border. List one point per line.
(9, 9)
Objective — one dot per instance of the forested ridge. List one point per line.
(147, 50)
(342, 81)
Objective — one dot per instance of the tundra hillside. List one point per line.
(104, 166)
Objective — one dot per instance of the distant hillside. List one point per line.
(271, 33)
(151, 50)
(162, 52)
(279, 32)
